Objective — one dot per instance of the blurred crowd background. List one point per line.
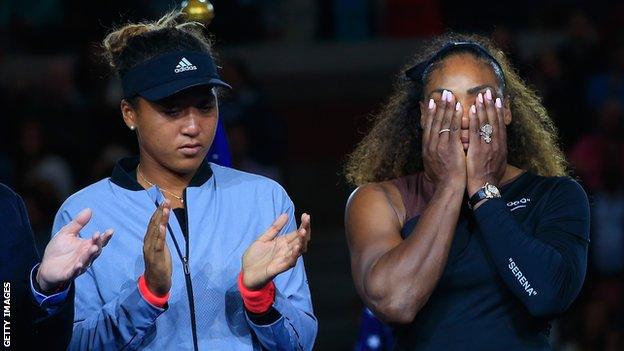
(307, 75)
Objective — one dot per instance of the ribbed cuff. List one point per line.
(157, 301)
(257, 301)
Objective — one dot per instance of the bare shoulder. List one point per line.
(379, 201)
(375, 191)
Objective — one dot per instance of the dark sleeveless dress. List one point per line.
(472, 306)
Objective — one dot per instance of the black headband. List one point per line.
(416, 73)
(170, 73)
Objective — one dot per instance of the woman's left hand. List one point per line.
(271, 254)
(486, 162)
(68, 255)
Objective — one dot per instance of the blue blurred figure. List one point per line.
(374, 335)
(219, 152)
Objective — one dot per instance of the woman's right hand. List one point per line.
(443, 155)
(156, 254)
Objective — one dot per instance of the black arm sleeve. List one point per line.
(545, 269)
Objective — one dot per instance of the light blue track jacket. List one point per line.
(227, 210)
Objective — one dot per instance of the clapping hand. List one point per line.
(271, 254)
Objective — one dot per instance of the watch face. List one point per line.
(491, 191)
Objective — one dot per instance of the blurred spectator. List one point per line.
(43, 178)
(103, 164)
(598, 159)
(549, 80)
(597, 155)
(578, 51)
(561, 72)
(257, 137)
(609, 83)
(504, 38)
(600, 326)
(42, 204)
(607, 247)
(38, 166)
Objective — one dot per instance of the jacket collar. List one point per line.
(124, 174)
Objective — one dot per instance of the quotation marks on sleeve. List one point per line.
(524, 282)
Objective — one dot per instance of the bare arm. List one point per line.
(395, 277)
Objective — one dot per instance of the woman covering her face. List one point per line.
(205, 257)
(465, 232)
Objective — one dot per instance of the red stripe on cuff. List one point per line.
(257, 301)
(158, 301)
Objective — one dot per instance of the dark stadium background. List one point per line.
(307, 75)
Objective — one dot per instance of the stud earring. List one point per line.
(132, 127)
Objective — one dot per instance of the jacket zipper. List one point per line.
(187, 271)
(187, 275)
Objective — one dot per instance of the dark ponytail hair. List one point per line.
(134, 43)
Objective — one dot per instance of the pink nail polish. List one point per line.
(444, 92)
(499, 104)
(457, 105)
(431, 104)
(480, 98)
(488, 94)
(473, 109)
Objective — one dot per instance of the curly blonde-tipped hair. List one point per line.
(133, 43)
(392, 148)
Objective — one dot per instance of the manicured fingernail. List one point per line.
(431, 104)
(473, 109)
(444, 93)
(457, 106)
(480, 98)
(498, 103)
(488, 94)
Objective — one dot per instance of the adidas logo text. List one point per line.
(184, 65)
